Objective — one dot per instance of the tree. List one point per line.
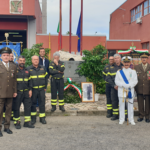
(93, 65)
(28, 53)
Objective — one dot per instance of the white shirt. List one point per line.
(43, 61)
(131, 76)
(5, 64)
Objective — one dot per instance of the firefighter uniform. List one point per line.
(38, 84)
(57, 84)
(108, 91)
(114, 93)
(23, 88)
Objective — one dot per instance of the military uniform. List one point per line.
(57, 84)
(38, 84)
(114, 93)
(8, 87)
(143, 91)
(12, 113)
(126, 80)
(108, 91)
(23, 88)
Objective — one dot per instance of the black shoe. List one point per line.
(1, 134)
(3, 121)
(42, 120)
(8, 131)
(140, 119)
(114, 117)
(33, 120)
(147, 120)
(62, 108)
(28, 125)
(109, 114)
(17, 125)
(53, 108)
(126, 117)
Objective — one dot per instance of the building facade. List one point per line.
(129, 25)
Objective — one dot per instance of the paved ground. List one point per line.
(79, 133)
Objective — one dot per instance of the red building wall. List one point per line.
(28, 7)
(88, 42)
(121, 26)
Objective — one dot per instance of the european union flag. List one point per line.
(15, 49)
(79, 33)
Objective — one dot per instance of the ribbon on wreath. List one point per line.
(74, 86)
(133, 49)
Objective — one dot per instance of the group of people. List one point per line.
(123, 84)
(27, 85)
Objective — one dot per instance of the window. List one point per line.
(136, 13)
(132, 15)
(145, 8)
(145, 45)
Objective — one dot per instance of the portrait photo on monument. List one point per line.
(87, 91)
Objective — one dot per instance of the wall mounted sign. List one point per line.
(16, 6)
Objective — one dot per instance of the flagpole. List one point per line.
(70, 26)
(49, 46)
(81, 27)
(60, 24)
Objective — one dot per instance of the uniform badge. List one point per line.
(26, 72)
(111, 67)
(12, 74)
(31, 70)
(41, 68)
(107, 68)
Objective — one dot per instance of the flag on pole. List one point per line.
(79, 33)
(58, 31)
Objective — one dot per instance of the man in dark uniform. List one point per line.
(11, 60)
(8, 88)
(56, 70)
(114, 89)
(108, 87)
(38, 84)
(89, 91)
(24, 94)
(143, 88)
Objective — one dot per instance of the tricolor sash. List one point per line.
(127, 82)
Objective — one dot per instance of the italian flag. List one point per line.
(58, 31)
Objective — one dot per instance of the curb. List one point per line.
(79, 113)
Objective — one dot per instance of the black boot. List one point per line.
(28, 125)
(62, 108)
(33, 120)
(109, 113)
(126, 117)
(114, 117)
(42, 120)
(17, 125)
(53, 108)
(3, 121)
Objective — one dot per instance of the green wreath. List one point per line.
(71, 95)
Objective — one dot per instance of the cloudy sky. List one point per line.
(95, 17)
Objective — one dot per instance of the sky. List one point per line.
(96, 15)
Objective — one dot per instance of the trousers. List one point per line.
(57, 85)
(122, 109)
(8, 103)
(108, 96)
(22, 97)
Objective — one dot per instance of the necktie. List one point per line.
(7, 66)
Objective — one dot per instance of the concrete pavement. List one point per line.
(78, 133)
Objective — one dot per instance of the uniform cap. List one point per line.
(144, 55)
(5, 50)
(126, 59)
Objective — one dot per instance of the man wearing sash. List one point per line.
(126, 80)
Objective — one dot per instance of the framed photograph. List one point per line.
(87, 92)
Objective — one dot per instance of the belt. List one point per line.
(57, 78)
(38, 87)
(23, 90)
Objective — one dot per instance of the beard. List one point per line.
(21, 65)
